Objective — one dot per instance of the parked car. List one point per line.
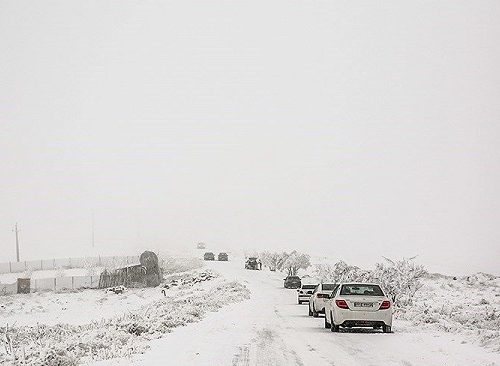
(319, 297)
(253, 263)
(305, 292)
(359, 305)
(292, 282)
(209, 256)
(223, 257)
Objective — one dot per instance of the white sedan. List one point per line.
(319, 298)
(305, 292)
(358, 305)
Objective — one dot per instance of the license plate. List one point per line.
(363, 304)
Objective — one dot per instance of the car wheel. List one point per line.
(327, 325)
(310, 312)
(300, 302)
(315, 313)
(387, 329)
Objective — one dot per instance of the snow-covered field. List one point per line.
(469, 306)
(69, 328)
(452, 322)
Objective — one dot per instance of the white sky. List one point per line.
(346, 129)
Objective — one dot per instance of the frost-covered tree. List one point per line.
(296, 261)
(401, 279)
(271, 259)
(340, 272)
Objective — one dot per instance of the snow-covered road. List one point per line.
(271, 329)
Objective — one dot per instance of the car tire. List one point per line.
(310, 312)
(300, 302)
(315, 313)
(335, 328)
(387, 329)
(327, 325)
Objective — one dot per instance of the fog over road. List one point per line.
(272, 329)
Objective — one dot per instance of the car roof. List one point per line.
(360, 283)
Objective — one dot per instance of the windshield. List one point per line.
(309, 287)
(329, 286)
(365, 290)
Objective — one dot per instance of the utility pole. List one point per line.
(16, 230)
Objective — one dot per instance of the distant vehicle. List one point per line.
(201, 246)
(117, 289)
(253, 263)
(319, 298)
(292, 282)
(209, 256)
(305, 292)
(223, 257)
(358, 305)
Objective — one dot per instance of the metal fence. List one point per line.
(66, 263)
(54, 284)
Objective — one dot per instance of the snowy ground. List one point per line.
(269, 328)
(54, 329)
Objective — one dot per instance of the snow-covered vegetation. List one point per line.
(290, 263)
(139, 316)
(468, 305)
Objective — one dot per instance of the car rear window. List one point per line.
(309, 287)
(329, 286)
(365, 290)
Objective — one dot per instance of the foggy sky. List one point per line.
(349, 130)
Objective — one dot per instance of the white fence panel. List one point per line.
(43, 284)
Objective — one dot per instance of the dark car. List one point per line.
(292, 282)
(223, 257)
(209, 256)
(253, 263)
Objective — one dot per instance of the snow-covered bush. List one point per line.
(400, 279)
(290, 263)
(340, 272)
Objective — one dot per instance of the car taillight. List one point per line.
(386, 304)
(341, 304)
(322, 296)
